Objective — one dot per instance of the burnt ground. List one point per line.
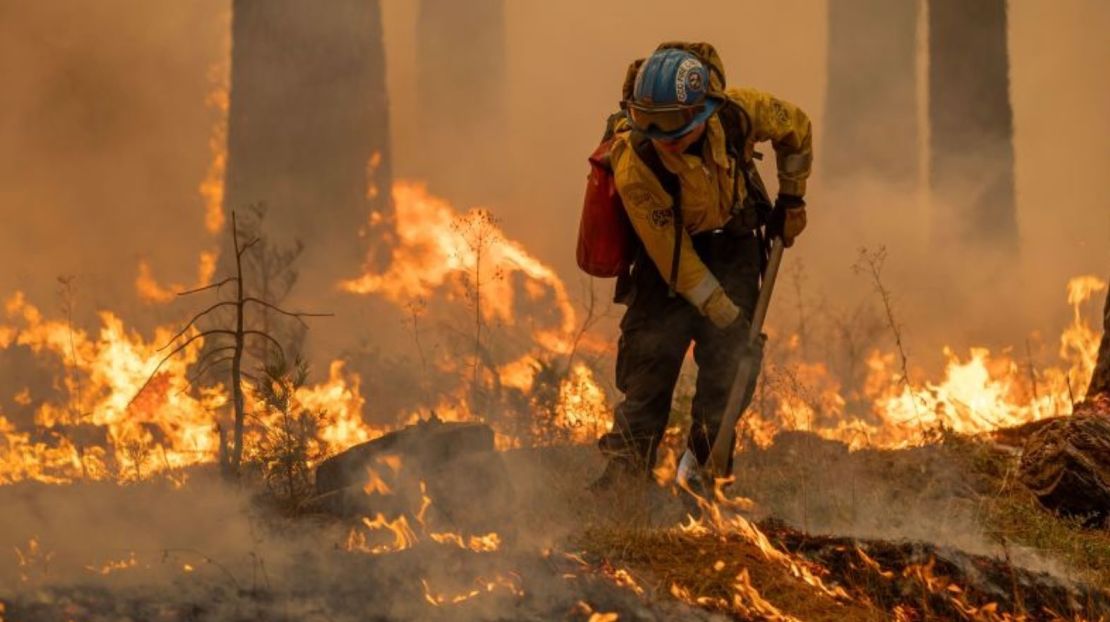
(935, 532)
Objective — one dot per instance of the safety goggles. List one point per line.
(671, 122)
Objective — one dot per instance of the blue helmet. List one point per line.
(671, 95)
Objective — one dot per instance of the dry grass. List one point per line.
(1011, 515)
(707, 566)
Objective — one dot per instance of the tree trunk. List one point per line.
(971, 124)
(871, 109)
(462, 98)
(1100, 380)
(308, 127)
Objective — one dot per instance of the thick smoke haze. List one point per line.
(104, 140)
(106, 122)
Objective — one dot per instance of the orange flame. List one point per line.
(404, 536)
(509, 582)
(218, 100)
(978, 393)
(375, 484)
(104, 428)
(150, 290)
(115, 565)
(433, 249)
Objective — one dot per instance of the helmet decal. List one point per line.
(689, 81)
(694, 81)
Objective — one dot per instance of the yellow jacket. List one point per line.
(706, 183)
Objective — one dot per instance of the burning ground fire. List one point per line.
(94, 424)
(981, 392)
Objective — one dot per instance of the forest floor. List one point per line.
(941, 531)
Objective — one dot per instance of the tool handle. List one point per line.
(722, 445)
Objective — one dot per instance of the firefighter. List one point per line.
(707, 249)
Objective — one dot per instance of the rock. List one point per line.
(1066, 463)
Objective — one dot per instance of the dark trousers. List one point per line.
(656, 331)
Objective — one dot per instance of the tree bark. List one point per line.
(871, 110)
(308, 127)
(971, 124)
(462, 90)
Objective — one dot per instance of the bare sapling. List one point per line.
(270, 271)
(479, 231)
(798, 280)
(415, 310)
(230, 355)
(592, 316)
(870, 264)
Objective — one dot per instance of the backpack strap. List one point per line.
(757, 202)
(641, 144)
(737, 127)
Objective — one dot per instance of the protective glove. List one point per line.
(788, 218)
(720, 309)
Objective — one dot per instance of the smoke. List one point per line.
(925, 494)
(103, 142)
(209, 551)
(565, 66)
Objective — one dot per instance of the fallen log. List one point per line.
(451, 468)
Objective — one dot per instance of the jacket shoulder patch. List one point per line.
(661, 218)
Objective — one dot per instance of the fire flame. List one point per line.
(219, 101)
(124, 435)
(104, 428)
(436, 246)
(211, 189)
(150, 290)
(978, 393)
(403, 535)
(114, 565)
(508, 582)
(92, 426)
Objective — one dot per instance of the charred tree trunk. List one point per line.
(1100, 380)
(871, 114)
(308, 128)
(971, 124)
(462, 97)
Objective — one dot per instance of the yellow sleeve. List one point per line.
(649, 209)
(788, 129)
